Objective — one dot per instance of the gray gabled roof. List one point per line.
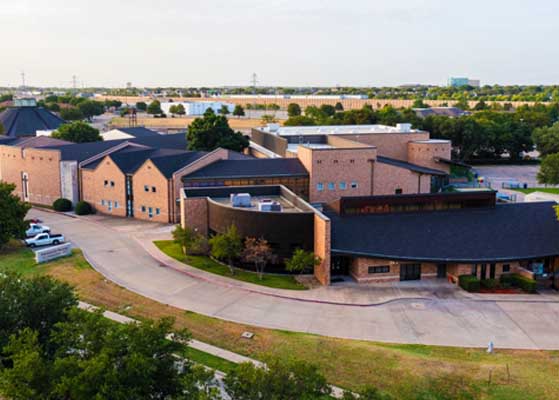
(502, 233)
(139, 132)
(26, 121)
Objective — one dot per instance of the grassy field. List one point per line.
(405, 371)
(182, 123)
(207, 264)
(544, 190)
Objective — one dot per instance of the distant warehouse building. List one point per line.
(197, 107)
(26, 119)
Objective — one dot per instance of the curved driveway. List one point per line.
(117, 249)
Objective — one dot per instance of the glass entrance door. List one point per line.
(410, 272)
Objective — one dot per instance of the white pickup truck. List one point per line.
(35, 229)
(44, 239)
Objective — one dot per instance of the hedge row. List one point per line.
(516, 280)
(469, 283)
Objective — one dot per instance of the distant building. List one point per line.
(452, 112)
(26, 119)
(197, 107)
(461, 81)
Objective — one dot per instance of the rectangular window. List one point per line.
(331, 186)
(110, 205)
(335, 161)
(379, 269)
(354, 185)
(474, 269)
(506, 267)
(116, 204)
(352, 161)
(146, 188)
(150, 212)
(153, 189)
(102, 202)
(143, 208)
(112, 184)
(106, 183)
(343, 186)
(320, 187)
(398, 191)
(157, 211)
(319, 161)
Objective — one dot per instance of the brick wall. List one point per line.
(393, 145)
(194, 214)
(387, 178)
(43, 170)
(424, 153)
(98, 193)
(337, 166)
(151, 191)
(322, 246)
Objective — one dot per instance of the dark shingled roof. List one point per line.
(256, 167)
(504, 233)
(26, 121)
(410, 166)
(166, 160)
(83, 151)
(139, 132)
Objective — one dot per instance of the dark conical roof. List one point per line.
(26, 121)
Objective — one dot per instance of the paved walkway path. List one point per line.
(405, 313)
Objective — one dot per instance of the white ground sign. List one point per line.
(52, 253)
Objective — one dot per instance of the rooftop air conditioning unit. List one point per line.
(269, 205)
(403, 127)
(240, 199)
(273, 127)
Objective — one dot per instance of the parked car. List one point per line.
(35, 229)
(44, 239)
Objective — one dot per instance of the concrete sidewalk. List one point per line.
(114, 248)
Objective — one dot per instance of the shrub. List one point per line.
(62, 205)
(489, 283)
(83, 208)
(516, 280)
(469, 283)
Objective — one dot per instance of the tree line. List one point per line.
(483, 134)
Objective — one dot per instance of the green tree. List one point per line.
(227, 246)
(77, 132)
(462, 104)
(339, 106)
(299, 120)
(154, 108)
(302, 261)
(481, 105)
(224, 110)
(213, 131)
(91, 108)
(173, 109)
(285, 380)
(38, 303)
(268, 119)
(239, 111)
(328, 109)
(12, 214)
(183, 237)
(547, 139)
(549, 170)
(180, 109)
(259, 253)
(418, 103)
(71, 114)
(141, 106)
(293, 110)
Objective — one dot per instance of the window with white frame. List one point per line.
(331, 186)
(343, 186)
(354, 185)
(320, 187)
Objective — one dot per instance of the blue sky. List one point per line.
(286, 42)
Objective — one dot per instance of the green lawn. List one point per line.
(544, 190)
(207, 264)
(407, 372)
(209, 360)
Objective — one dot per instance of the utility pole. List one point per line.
(254, 81)
(74, 82)
(23, 79)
